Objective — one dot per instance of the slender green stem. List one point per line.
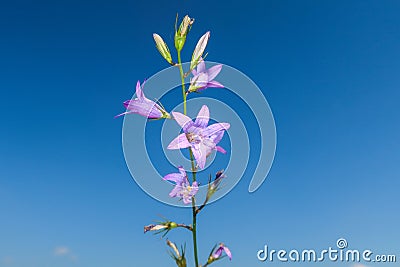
(193, 167)
(194, 213)
(194, 232)
(183, 82)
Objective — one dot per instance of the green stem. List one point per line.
(194, 232)
(194, 213)
(182, 81)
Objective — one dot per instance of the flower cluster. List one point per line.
(198, 136)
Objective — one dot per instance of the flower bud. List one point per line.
(214, 186)
(162, 48)
(183, 28)
(199, 50)
(172, 225)
(216, 253)
(182, 31)
(179, 258)
(210, 259)
(161, 227)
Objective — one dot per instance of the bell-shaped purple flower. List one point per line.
(203, 78)
(144, 106)
(222, 248)
(182, 189)
(202, 139)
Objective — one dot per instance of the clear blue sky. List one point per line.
(329, 69)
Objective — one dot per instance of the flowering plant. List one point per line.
(198, 136)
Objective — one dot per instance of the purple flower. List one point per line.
(182, 188)
(203, 78)
(144, 106)
(202, 139)
(218, 252)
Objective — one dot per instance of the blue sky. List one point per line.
(329, 70)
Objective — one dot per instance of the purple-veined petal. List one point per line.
(179, 142)
(146, 108)
(200, 154)
(202, 117)
(215, 84)
(214, 71)
(201, 67)
(228, 252)
(139, 91)
(174, 177)
(175, 192)
(218, 253)
(216, 127)
(182, 171)
(183, 120)
(216, 138)
(209, 144)
(201, 80)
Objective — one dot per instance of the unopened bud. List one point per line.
(199, 50)
(183, 28)
(162, 48)
(172, 225)
(182, 31)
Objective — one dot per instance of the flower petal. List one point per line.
(174, 177)
(216, 138)
(179, 142)
(183, 120)
(215, 84)
(139, 91)
(228, 252)
(176, 191)
(200, 154)
(214, 71)
(201, 67)
(202, 117)
(216, 127)
(200, 80)
(182, 171)
(187, 199)
(144, 107)
(217, 253)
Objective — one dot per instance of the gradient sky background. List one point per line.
(329, 69)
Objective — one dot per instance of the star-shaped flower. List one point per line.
(203, 78)
(182, 188)
(202, 139)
